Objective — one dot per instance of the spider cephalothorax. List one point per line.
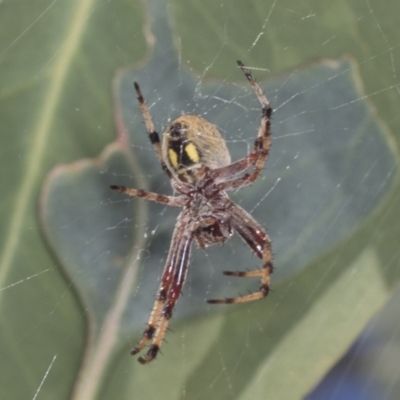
(197, 161)
(208, 207)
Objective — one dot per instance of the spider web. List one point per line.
(328, 198)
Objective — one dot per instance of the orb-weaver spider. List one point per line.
(197, 161)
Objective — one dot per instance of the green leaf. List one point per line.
(328, 196)
(98, 247)
(57, 60)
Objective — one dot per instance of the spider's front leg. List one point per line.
(255, 236)
(261, 148)
(153, 135)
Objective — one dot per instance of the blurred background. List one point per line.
(80, 264)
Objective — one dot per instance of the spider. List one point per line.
(197, 161)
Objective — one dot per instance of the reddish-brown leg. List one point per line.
(172, 281)
(262, 144)
(153, 135)
(173, 201)
(255, 236)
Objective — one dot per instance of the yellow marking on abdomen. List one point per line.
(173, 158)
(192, 152)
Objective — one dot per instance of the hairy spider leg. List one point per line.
(263, 141)
(262, 144)
(255, 236)
(153, 135)
(172, 281)
(173, 201)
(175, 269)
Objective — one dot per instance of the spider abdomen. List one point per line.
(191, 142)
(212, 231)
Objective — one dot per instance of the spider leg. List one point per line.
(173, 201)
(262, 144)
(255, 236)
(172, 281)
(153, 135)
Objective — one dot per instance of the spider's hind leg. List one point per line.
(264, 273)
(172, 281)
(255, 236)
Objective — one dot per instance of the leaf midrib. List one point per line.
(40, 134)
